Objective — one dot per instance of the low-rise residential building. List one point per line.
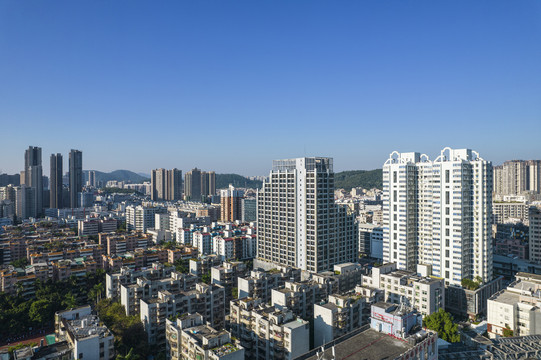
(203, 242)
(143, 289)
(371, 240)
(503, 212)
(235, 248)
(207, 300)
(203, 264)
(260, 283)
(227, 275)
(87, 338)
(266, 332)
(516, 310)
(189, 338)
(340, 315)
(425, 293)
(127, 276)
(117, 244)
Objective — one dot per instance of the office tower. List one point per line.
(91, 178)
(32, 176)
(535, 234)
(231, 204)
(56, 200)
(166, 185)
(439, 213)
(192, 185)
(75, 176)
(299, 223)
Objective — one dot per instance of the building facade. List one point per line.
(438, 213)
(299, 223)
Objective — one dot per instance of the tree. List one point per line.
(235, 293)
(41, 312)
(21, 263)
(206, 278)
(129, 356)
(442, 322)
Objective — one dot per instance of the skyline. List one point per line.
(221, 86)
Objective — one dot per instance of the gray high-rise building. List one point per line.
(208, 183)
(56, 199)
(75, 176)
(32, 176)
(166, 184)
(298, 222)
(192, 185)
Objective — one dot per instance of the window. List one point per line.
(447, 176)
(394, 196)
(394, 176)
(447, 197)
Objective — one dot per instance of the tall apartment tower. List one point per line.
(56, 200)
(299, 224)
(231, 204)
(32, 176)
(439, 213)
(534, 215)
(75, 177)
(91, 178)
(166, 184)
(516, 177)
(192, 185)
(208, 183)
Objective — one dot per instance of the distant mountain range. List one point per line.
(342, 180)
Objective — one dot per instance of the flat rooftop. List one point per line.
(368, 345)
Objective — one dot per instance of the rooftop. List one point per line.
(367, 345)
(87, 326)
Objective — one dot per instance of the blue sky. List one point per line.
(231, 85)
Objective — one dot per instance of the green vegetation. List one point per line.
(206, 278)
(130, 335)
(12, 349)
(442, 322)
(472, 284)
(366, 179)
(507, 332)
(18, 314)
(223, 181)
(21, 263)
(118, 175)
(182, 266)
(235, 292)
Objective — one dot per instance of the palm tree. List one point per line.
(129, 356)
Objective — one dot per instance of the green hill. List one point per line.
(367, 179)
(118, 175)
(223, 181)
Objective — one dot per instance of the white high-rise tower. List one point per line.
(438, 213)
(298, 222)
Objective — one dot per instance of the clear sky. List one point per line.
(230, 85)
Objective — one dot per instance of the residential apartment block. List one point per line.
(299, 224)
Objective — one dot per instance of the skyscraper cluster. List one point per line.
(299, 223)
(517, 177)
(166, 185)
(198, 185)
(437, 213)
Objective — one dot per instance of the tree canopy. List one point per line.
(442, 322)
